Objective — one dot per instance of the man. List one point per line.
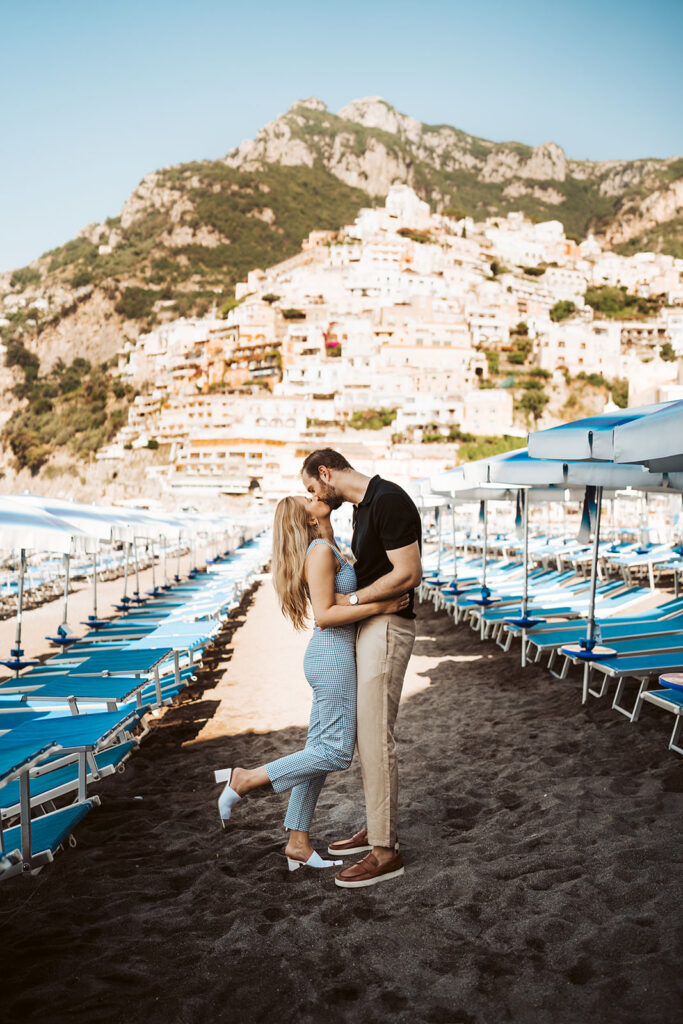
(387, 542)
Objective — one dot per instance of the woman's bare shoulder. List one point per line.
(320, 557)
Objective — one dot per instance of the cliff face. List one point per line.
(370, 145)
(188, 233)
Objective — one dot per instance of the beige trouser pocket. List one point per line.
(383, 648)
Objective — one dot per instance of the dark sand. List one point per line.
(542, 847)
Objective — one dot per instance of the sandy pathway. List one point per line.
(264, 688)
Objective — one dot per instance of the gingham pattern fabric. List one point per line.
(330, 668)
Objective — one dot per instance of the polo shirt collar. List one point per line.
(367, 497)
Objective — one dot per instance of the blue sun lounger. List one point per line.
(550, 641)
(32, 843)
(669, 700)
(607, 603)
(112, 692)
(642, 667)
(48, 783)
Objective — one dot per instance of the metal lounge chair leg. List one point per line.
(621, 708)
(82, 777)
(673, 742)
(25, 812)
(562, 674)
(603, 687)
(637, 708)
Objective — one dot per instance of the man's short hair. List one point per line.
(324, 457)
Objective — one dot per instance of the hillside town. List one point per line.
(418, 326)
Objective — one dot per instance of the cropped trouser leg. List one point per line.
(384, 644)
(329, 747)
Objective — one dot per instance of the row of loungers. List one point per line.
(75, 719)
(643, 644)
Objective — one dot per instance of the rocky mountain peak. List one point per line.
(547, 162)
(310, 103)
(375, 112)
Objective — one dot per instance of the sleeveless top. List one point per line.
(344, 583)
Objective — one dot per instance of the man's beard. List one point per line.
(332, 499)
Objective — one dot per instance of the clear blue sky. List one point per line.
(97, 94)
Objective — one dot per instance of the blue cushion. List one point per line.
(48, 831)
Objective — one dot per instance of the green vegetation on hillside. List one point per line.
(618, 303)
(483, 446)
(562, 310)
(78, 405)
(667, 237)
(372, 419)
(256, 220)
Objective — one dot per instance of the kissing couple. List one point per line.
(355, 661)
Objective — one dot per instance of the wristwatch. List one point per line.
(353, 598)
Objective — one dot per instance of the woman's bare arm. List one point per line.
(320, 569)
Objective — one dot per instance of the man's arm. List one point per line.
(406, 573)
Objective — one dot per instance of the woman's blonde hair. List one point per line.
(292, 533)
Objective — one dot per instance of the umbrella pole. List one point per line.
(163, 562)
(154, 580)
(67, 572)
(590, 625)
(485, 546)
(484, 588)
(524, 498)
(125, 572)
(437, 512)
(455, 564)
(94, 585)
(177, 564)
(137, 568)
(17, 652)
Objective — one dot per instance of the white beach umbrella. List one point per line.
(655, 440)
(518, 468)
(593, 437)
(99, 523)
(23, 527)
(585, 449)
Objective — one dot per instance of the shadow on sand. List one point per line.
(540, 842)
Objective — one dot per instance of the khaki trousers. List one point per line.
(384, 644)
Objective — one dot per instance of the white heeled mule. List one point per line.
(314, 861)
(228, 797)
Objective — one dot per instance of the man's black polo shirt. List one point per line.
(384, 520)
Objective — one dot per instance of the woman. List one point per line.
(308, 566)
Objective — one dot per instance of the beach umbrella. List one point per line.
(655, 440)
(24, 528)
(102, 522)
(535, 482)
(593, 438)
(578, 448)
(453, 484)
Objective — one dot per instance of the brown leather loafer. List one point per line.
(346, 847)
(369, 872)
(356, 844)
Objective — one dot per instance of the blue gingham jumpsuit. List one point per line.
(330, 668)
